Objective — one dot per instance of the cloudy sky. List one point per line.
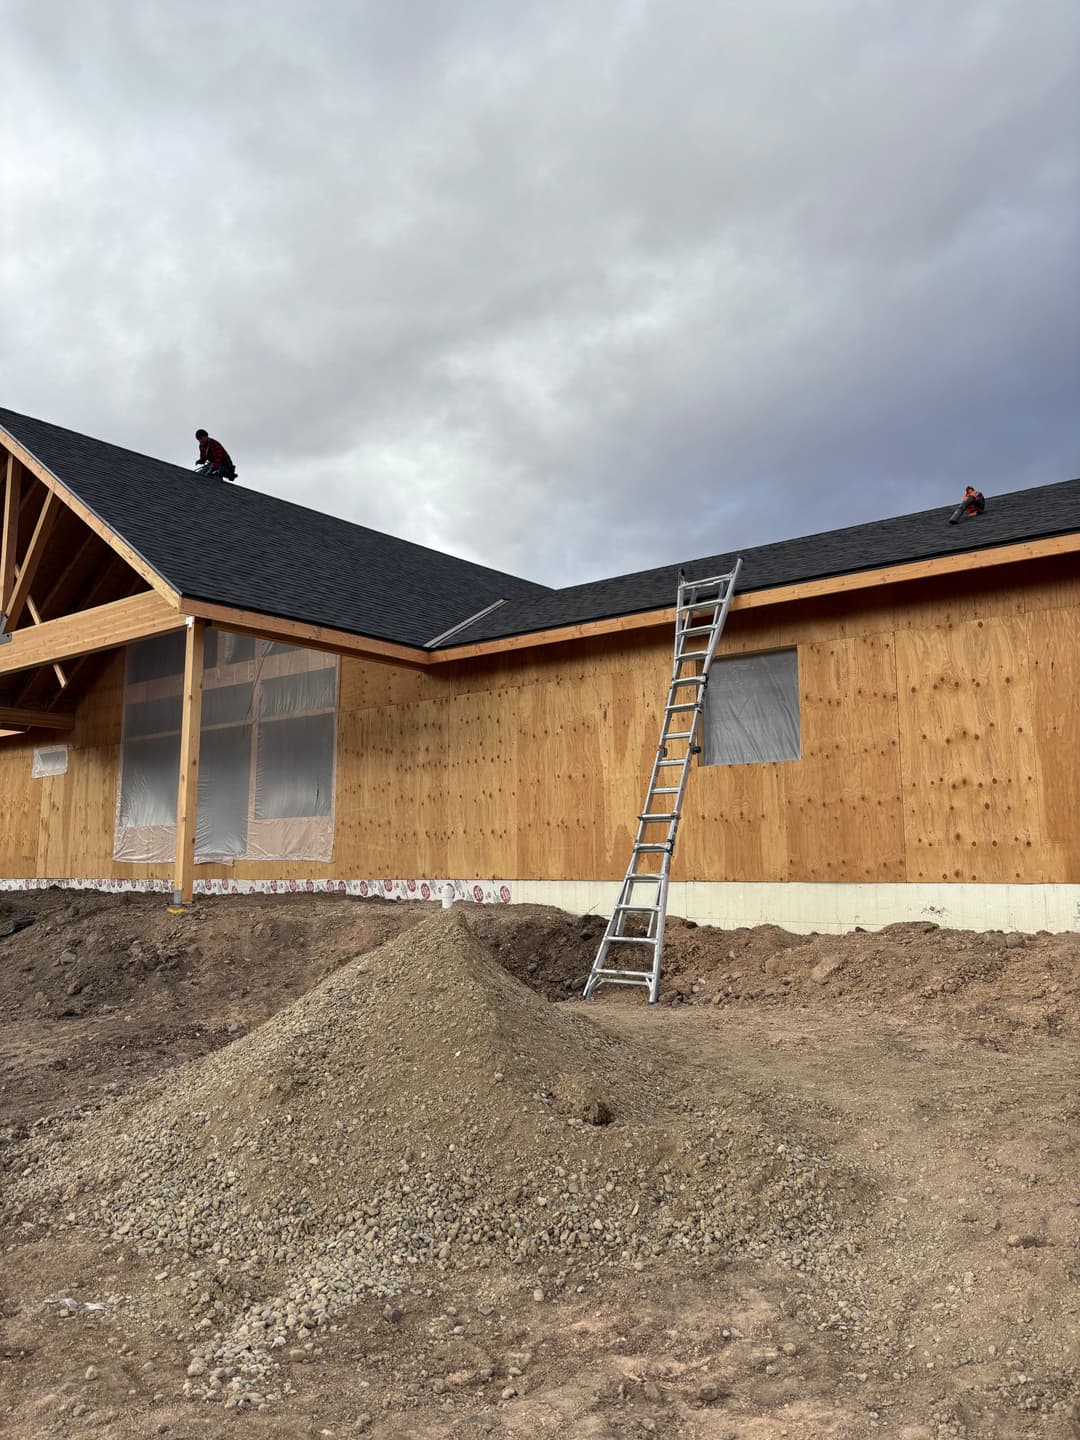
(572, 287)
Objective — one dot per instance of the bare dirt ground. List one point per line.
(303, 1166)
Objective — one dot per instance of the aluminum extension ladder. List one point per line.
(701, 611)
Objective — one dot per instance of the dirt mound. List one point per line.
(991, 982)
(89, 954)
(419, 1108)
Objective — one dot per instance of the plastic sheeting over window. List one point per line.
(49, 760)
(752, 710)
(267, 751)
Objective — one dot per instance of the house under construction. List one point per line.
(204, 687)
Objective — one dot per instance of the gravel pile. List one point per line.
(420, 1110)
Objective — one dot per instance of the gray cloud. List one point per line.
(571, 289)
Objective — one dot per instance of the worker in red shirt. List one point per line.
(213, 458)
(971, 505)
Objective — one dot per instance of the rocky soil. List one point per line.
(372, 1171)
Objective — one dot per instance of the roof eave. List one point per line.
(1008, 553)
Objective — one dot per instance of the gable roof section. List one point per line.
(1039, 513)
(231, 546)
(236, 547)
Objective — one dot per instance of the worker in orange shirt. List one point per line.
(972, 504)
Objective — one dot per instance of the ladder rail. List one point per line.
(693, 602)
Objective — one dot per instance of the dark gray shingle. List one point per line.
(1021, 515)
(233, 546)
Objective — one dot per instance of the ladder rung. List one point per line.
(701, 608)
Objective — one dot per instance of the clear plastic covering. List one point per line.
(752, 710)
(268, 741)
(49, 760)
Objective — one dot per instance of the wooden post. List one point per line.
(187, 802)
(9, 532)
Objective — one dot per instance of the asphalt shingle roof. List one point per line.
(234, 546)
(1021, 515)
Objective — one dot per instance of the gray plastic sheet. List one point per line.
(268, 743)
(752, 710)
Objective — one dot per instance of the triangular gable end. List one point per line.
(59, 563)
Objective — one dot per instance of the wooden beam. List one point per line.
(102, 628)
(912, 570)
(63, 582)
(34, 719)
(35, 615)
(72, 501)
(296, 632)
(9, 533)
(20, 593)
(187, 800)
(779, 595)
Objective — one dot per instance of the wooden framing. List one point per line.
(25, 573)
(87, 516)
(187, 802)
(9, 531)
(296, 632)
(12, 718)
(102, 628)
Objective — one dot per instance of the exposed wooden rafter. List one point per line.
(105, 585)
(87, 516)
(35, 615)
(13, 717)
(27, 570)
(9, 530)
(102, 628)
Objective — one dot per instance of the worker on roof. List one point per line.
(213, 458)
(972, 504)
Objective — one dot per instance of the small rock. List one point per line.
(197, 1367)
(825, 968)
(91, 1372)
(708, 1394)
(393, 1314)
(509, 1393)
(538, 1295)
(790, 1349)
(1014, 941)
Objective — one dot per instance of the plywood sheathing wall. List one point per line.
(937, 745)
